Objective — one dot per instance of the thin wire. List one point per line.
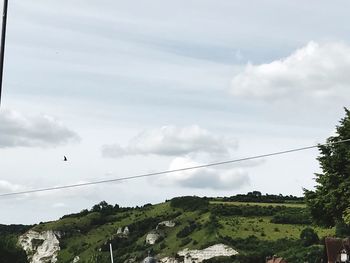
(169, 171)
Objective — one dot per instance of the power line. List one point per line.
(170, 171)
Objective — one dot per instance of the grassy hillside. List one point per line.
(256, 226)
(260, 227)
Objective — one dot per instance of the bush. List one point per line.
(247, 210)
(309, 237)
(292, 216)
(189, 203)
(186, 241)
(187, 230)
(10, 252)
(258, 197)
(221, 260)
(342, 229)
(162, 245)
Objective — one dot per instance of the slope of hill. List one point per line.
(254, 230)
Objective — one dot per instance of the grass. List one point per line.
(88, 244)
(262, 228)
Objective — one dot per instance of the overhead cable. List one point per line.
(169, 171)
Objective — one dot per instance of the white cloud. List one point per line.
(17, 129)
(316, 71)
(6, 187)
(210, 178)
(172, 141)
(59, 205)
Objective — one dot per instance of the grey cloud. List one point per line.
(17, 129)
(172, 141)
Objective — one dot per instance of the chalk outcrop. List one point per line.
(152, 237)
(126, 231)
(197, 256)
(123, 232)
(41, 247)
(166, 224)
(168, 260)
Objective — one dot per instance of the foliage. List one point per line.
(300, 254)
(292, 216)
(13, 229)
(258, 197)
(187, 230)
(245, 210)
(254, 250)
(331, 197)
(104, 208)
(221, 260)
(309, 237)
(9, 251)
(342, 229)
(280, 214)
(189, 203)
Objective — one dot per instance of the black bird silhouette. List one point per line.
(65, 159)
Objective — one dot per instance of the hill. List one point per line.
(254, 230)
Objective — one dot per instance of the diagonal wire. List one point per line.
(170, 171)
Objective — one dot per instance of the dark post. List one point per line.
(3, 37)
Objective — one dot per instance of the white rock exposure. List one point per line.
(41, 247)
(126, 231)
(168, 260)
(76, 259)
(152, 237)
(198, 256)
(166, 223)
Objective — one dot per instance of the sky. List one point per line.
(124, 88)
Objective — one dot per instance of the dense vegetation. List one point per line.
(190, 203)
(329, 203)
(9, 250)
(258, 197)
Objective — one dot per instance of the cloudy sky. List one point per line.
(130, 87)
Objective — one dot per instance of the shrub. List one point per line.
(309, 237)
(187, 230)
(9, 251)
(342, 229)
(186, 241)
(189, 203)
(292, 216)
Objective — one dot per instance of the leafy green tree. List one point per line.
(332, 194)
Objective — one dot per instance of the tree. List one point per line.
(332, 194)
(103, 207)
